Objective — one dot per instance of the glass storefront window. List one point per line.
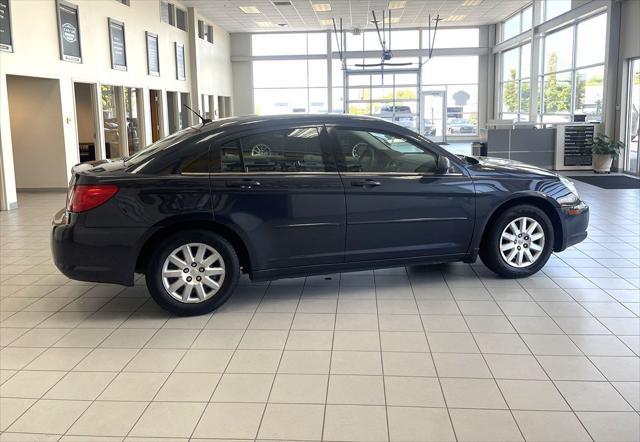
(589, 92)
(553, 8)
(558, 49)
(557, 93)
(452, 38)
(591, 44)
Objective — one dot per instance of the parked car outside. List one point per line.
(460, 126)
(429, 129)
(293, 195)
(401, 115)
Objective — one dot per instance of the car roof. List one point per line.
(266, 120)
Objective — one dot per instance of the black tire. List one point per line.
(162, 251)
(490, 248)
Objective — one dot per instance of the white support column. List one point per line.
(69, 125)
(194, 96)
(536, 53)
(145, 109)
(9, 196)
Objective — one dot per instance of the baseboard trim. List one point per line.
(41, 189)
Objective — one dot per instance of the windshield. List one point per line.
(159, 145)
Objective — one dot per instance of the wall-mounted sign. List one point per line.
(153, 54)
(69, 31)
(6, 40)
(180, 68)
(118, 45)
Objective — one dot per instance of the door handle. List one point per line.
(366, 183)
(243, 184)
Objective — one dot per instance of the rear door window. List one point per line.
(286, 150)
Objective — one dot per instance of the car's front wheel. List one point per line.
(519, 242)
(192, 273)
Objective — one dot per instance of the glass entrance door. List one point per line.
(434, 113)
(632, 165)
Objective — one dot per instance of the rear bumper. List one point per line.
(575, 220)
(91, 254)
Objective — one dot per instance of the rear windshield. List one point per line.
(165, 143)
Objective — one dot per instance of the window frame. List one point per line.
(572, 70)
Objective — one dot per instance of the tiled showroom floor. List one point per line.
(423, 353)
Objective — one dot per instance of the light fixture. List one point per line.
(249, 9)
(455, 18)
(471, 2)
(283, 25)
(398, 4)
(326, 22)
(281, 3)
(395, 20)
(264, 24)
(321, 7)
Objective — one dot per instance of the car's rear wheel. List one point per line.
(519, 242)
(192, 273)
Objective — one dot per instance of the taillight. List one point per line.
(85, 197)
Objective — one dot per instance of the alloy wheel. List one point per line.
(522, 242)
(193, 273)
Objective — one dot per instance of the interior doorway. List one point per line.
(86, 121)
(37, 132)
(154, 107)
(185, 114)
(172, 111)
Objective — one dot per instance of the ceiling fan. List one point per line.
(384, 36)
(386, 54)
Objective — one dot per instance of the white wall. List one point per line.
(36, 132)
(36, 54)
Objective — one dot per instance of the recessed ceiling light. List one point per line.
(455, 18)
(471, 2)
(321, 7)
(249, 9)
(326, 22)
(395, 20)
(397, 4)
(265, 24)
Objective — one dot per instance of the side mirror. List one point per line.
(443, 165)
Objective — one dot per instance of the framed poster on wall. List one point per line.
(180, 67)
(118, 45)
(153, 54)
(69, 31)
(6, 39)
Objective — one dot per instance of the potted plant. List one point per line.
(604, 150)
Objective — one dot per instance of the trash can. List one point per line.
(479, 149)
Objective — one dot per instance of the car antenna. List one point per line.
(204, 120)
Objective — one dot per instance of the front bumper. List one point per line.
(90, 254)
(575, 220)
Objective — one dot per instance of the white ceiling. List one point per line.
(300, 15)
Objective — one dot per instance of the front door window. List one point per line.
(376, 152)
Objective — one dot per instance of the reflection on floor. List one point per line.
(419, 353)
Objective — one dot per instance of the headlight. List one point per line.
(573, 196)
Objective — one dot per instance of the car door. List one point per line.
(398, 206)
(281, 191)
